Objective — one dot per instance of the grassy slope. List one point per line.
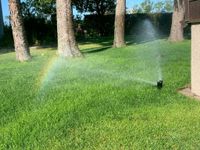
(95, 102)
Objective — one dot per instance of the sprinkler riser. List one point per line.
(160, 84)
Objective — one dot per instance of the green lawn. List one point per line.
(106, 100)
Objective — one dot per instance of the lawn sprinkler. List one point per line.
(160, 84)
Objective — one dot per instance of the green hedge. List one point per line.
(104, 25)
(43, 32)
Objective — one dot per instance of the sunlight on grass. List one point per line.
(98, 102)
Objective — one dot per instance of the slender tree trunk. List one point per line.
(119, 24)
(1, 22)
(20, 41)
(177, 31)
(67, 45)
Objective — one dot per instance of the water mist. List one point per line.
(150, 54)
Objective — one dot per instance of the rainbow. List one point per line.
(46, 72)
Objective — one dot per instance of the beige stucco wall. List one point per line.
(195, 71)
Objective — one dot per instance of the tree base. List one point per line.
(172, 39)
(70, 53)
(119, 45)
(23, 57)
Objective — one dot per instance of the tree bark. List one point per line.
(67, 46)
(20, 40)
(119, 24)
(177, 28)
(1, 22)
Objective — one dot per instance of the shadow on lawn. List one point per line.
(130, 40)
(95, 50)
(134, 40)
(104, 42)
(6, 50)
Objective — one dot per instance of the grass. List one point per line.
(100, 101)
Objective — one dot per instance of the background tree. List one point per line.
(67, 45)
(1, 21)
(39, 8)
(20, 41)
(159, 6)
(41, 18)
(147, 6)
(176, 33)
(163, 6)
(47, 8)
(136, 9)
(168, 7)
(119, 24)
(99, 7)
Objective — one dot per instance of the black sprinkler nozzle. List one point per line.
(160, 84)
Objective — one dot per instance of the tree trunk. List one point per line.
(119, 24)
(1, 22)
(177, 32)
(20, 41)
(67, 46)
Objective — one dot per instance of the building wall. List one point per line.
(195, 81)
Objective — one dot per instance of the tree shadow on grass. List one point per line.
(53, 47)
(96, 50)
(130, 40)
(134, 40)
(6, 50)
(103, 42)
(105, 45)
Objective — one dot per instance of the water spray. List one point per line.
(160, 84)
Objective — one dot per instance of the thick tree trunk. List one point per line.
(177, 32)
(1, 21)
(67, 45)
(20, 41)
(119, 24)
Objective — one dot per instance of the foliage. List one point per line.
(94, 26)
(7, 39)
(39, 8)
(100, 7)
(136, 9)
(158, 7)
(93, 103)
(44, 32)
(148, 6)
(47, 8)
(169, 6)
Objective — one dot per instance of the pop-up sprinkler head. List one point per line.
(160, 84)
